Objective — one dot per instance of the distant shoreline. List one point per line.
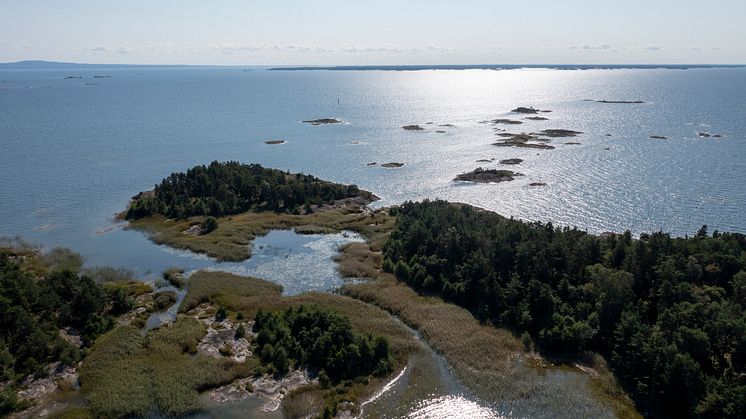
(54, 65)
(509, 67)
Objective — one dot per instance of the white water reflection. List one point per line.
(451, 407)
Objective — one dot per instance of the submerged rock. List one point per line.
(486, 160)
(536, 118)
(413, 127)
(658, 137)
(274, 142)
(511, 161)
(572, 143)
(440, 131)
(323, 121)
(480, 175)
(373, 163)
(506, 121)
(537, 184)
(392, 165)
(615, 101)
(704, 134)
(556, 133)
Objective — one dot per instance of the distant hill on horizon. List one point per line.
(42, 65)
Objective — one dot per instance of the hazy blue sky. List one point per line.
(374, 32)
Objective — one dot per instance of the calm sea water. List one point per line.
(72, 151)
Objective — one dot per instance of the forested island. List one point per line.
(668, 313)
(231, 188)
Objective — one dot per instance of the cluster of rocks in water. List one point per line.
(708, 135)
(392, 165)
(417, 127)
(528, 110)
(537, 140)
(615, 101)
(323, 121)
(699, 134)
(480, 175)
(506, 121)
(511, 161)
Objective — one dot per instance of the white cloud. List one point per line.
(653, 47)
(588, 47)
(160, 47)
(122, 49)
(232, 47)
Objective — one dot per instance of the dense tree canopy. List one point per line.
(320, 339)
(34, 309)
(231, 188)
(669, 313)
(39, 297)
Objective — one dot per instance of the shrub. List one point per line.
(221, 314)
(208, 225)
(240, 332)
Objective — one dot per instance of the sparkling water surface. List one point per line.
(73, 151)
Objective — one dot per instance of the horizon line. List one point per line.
(50, 64)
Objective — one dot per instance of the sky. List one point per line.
(383, 32)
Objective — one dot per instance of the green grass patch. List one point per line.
(130, 374)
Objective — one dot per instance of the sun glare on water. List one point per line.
(451, 407)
